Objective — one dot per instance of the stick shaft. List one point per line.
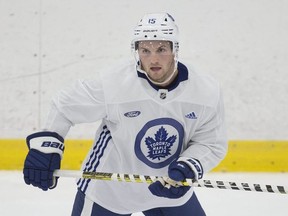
(188, 182)
(113, 177)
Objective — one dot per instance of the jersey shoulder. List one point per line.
(121, 83)
(202, 89)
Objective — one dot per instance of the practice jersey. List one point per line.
(143, 130)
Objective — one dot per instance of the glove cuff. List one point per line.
(195, 166)
(46, 142)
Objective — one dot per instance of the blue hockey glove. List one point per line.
(185, 168)
(44, 156)
(177, 171)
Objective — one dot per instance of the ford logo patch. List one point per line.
(132, 114)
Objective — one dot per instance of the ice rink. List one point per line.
(19, 199)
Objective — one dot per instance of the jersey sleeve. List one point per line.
(83, 103)
(209, 143)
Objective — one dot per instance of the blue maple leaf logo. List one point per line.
(160, 146)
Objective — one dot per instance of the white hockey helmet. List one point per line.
(156, 26)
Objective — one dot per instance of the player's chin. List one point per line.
(156, 79)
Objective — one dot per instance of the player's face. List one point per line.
(157, 59)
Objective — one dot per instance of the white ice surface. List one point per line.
(17, 198)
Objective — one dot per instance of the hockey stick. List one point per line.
(188, 182)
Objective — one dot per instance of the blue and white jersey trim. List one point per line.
(95, 157)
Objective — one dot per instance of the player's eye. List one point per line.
(162, 50)
(144, 51)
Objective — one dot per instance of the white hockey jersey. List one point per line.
(143, 129)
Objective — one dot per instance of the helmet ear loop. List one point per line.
(175, 58)
(137, 58)
(135, 53)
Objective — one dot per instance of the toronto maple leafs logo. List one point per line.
(160, 146)
(159, 142)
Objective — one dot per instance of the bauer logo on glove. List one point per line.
(53, 145)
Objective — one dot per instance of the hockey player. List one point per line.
(159, 118)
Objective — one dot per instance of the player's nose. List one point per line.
(154, 58)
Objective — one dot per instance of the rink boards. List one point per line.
(243, 155)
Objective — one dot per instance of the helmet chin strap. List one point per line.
(163, 83)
